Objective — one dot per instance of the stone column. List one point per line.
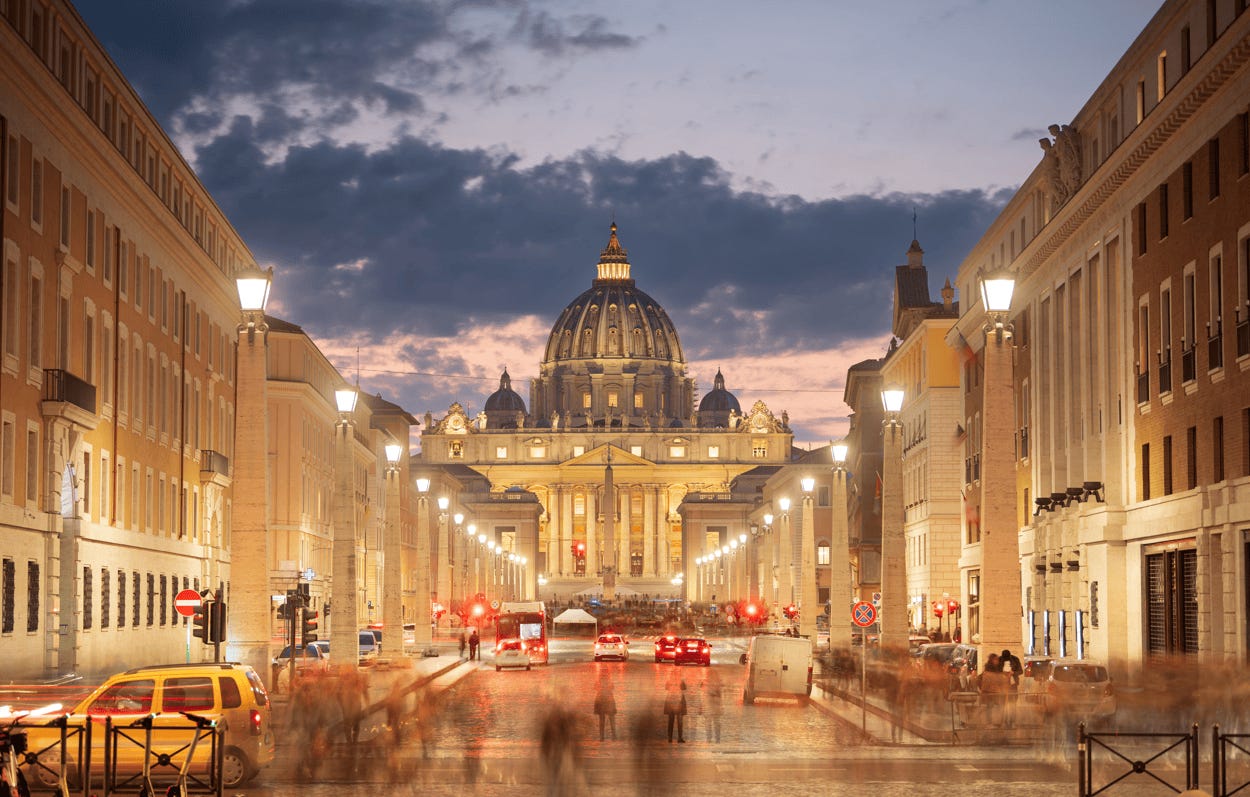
(649, 503)
(1001, 592)
(785, 556)
(443, 576)
(423, 638)
(592, 531)
(624, 531)
(566, 531)
(840, 563)
(344, 618)
(250, 604)
(893, 545)
(809, 595)
(392, 557)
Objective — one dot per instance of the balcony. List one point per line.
(68, 397)
(1165, 376)
(214, 468)
(1189, 369)
(1143, 387)
(1215, 351)
(1243, 337)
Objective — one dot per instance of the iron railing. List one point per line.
(61, 385)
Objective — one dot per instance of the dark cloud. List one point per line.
(555, 37)
(444, 234)
(1029, 134)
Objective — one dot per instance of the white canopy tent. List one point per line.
(575, 620)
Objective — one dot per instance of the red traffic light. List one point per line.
(939, 609)
(752, 610)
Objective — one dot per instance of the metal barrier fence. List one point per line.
(1134, 761)
(1225, 747)
(184, 750)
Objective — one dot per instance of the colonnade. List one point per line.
(563, 522)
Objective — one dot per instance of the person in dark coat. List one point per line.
(474, 641)
(675, 708)
(605, 706)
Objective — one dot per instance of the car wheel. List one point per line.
(748, 697)
(497, 668)
(527, 668)
(235, 768)
(658, 660)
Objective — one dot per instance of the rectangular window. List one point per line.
(13, 170)
(88, 600)
(1172, 602)
(8, 605)
(1217, 449)
(64, 217)
(1141, 229)
(713, 452)
(1161, 78)
(638, 403)
(151, 606)
(1163, 211)
(1189, 330)
(12, 310)
(8, 445)
(579, 450)
(1243, 142)
(677, 451)
(106, 597)
(110, 244)
(90, 253)
(32, 465)
(636, 450)
(32, 597)
(1213, 166)
(1167, 465)
(1211, 20)
(121, 598)
(36, 323)
(759, 449)
(538, 452)
(585, 401)
(1186, 50)
(614, 399)
(1187, 190)
(36, 192)
(136, 594)
(1191, 457)
(164, 600)
(501, 452)
(104, 489)
(1145, 471)
(84, 483)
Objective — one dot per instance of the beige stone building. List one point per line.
(928, 372)
(1129, 246)
(118, 375)
(612, 389)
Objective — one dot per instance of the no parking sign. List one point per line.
(863, 614)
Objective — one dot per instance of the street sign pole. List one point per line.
(863, 614)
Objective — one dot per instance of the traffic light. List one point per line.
(201, 622)
(308, 627)
(217, 624)
(790, 611)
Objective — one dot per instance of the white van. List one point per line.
(778, 666)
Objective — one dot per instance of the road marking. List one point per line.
(965, 768)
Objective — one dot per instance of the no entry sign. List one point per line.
(863, 614)
(187, 602)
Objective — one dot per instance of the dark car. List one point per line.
(693, 650)
(665, 647)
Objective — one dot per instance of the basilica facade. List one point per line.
(613, 395)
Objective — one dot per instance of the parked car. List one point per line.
(611, 646)
(511, 653)
(370, 644)
(693, 650)
(231, 693)
(1079, 688)
(665, 647)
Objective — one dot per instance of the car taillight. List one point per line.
(524, 647)
(256, 721)
(1108, 690)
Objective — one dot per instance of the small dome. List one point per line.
(718, 399)
(503, 405)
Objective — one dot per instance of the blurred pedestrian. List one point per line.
(694, 710)
(474, 642)
(557, 748)
(714, 692)
(605, 705)
(675, 708)
(352, 695)
(1012, 670)
(464, 642)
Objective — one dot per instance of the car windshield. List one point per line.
(609, 640)
(1079, 673)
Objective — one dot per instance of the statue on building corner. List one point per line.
(480, 421)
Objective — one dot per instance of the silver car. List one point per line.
(1079, 688)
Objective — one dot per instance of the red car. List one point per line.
(665, 647)
(693, 650)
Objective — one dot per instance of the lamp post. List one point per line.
(1001, 593)
(893, 549)
(423, 636)
(250, 600)
(343, 632)
(459, 586)
(809, 597)
(768, 563)
(392, 550)
(785, 553)
(443, 577)
(744, 569)
(839, 552)
(479, 572)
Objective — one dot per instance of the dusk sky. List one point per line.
(433, 181)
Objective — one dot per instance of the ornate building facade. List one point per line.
(612, 390)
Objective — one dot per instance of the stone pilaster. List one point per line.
(421, 580)
(893, 546)
(344, 604)
(392, 576)
(649, 504)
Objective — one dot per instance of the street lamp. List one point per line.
(809, 595)
(1000, 593)
(343, 635)
(392, 556)
(785, 557)
(445, 568)
(249, 627)
(839, 571)
(893, 549)
(424, 634)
